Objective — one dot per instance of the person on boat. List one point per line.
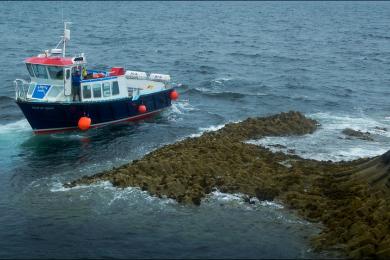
(76, 85)
(84, 73)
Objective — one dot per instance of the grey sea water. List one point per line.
(329, 60)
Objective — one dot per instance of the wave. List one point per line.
(211, 128)
(215, 93)
(328, 142)
(204, 69)
(362, 123)
(245, 55)
(6, 102)
(182, 106)
(239, 200)
(109, 194)
(6, 99)
(18, 126)
(221, 80)
(218, 94)
(315, 148)
(178, 109)
(266, 56)
(375, 36)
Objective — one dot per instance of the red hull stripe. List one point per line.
(134, 118)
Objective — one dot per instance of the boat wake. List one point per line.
(18, 126)
(182, 106)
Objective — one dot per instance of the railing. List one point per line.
(21, 89)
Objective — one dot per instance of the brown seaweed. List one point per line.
(351, 199)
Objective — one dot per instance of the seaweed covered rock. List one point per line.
(351, 199)
(190, 169)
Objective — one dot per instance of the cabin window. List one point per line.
(30, 89)
(56, 72)
(68, 74)
(87, 91)
(106, 89)
(115, 88)
(40, 71)
(55, 90)
(30, 70)
(97, 90)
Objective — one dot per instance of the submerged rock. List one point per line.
(351, 199)
(384, 129)
(279, 146)
(358, 134)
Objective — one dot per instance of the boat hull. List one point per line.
(46, 117)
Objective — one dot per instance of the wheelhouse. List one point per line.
(61, 79)
(62, 94)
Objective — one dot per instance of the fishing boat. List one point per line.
(64, 94)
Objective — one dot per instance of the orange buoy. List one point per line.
(84, 123)
(142, 109)
(174, 95)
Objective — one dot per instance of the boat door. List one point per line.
(67, 82)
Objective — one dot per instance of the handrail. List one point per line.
(20, 89)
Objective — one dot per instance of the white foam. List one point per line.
(211, 128)
(178, 109)
(113, 194)
(18, 126)
(221, 80)
(68, 136)
(237, 199)
(221, 196)
(59, 187)
(260, 94)
(337, 122)
(271, 204)
(182, 106)
(219, 91)
(328, 142)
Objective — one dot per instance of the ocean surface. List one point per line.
(233, 60)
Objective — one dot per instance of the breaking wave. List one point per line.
(328, 142)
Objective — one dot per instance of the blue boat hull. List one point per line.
(45, 117)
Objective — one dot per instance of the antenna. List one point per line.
(66, 37)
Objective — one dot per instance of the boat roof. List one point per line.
(54, 61)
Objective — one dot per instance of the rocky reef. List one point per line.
(351, 199)
(351, 133)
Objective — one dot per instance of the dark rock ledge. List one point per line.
(351, 199)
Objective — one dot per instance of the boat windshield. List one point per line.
(30, 70)
(56, 72)
(40, 71)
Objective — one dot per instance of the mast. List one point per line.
(65, 38)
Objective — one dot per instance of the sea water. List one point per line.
(233, 60)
